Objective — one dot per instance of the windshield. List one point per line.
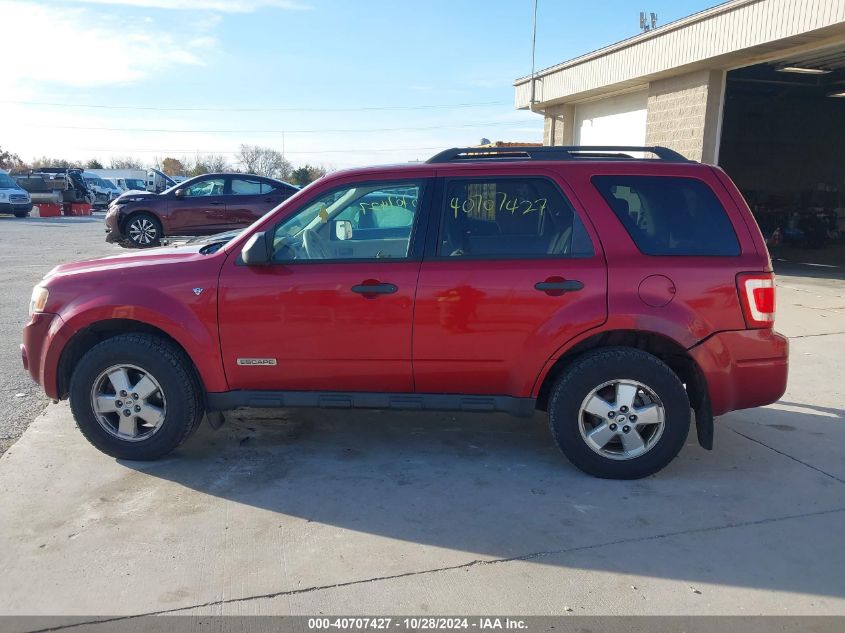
(7, 182)
(96, 180)
(135, 183)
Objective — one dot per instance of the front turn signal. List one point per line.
(38, 301)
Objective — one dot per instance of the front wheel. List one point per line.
(21, 214)
(143, 230)
(619, 413)
(135, 396)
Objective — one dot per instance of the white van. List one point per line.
(128, 184)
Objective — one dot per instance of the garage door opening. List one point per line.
(783, 143)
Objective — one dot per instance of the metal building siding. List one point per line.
(723, 30)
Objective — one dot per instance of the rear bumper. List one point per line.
(743, 369)
(43, 339)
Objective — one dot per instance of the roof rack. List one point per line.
(567, 152)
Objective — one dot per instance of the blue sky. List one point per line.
(349, 83)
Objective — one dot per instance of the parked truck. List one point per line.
(57, 185)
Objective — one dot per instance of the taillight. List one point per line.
(757, 295)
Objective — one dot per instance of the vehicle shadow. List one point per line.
(784, 268)
(495, 487)
(831, 410)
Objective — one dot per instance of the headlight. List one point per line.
(3, 195)
(38, 300)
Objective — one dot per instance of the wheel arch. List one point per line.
(666, 349)
(98, 331)
(123, 221)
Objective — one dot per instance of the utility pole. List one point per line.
(533, 49)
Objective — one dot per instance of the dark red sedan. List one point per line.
(204, 205)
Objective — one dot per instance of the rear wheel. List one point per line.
(619, 413)
(143, 230)
(135, 396)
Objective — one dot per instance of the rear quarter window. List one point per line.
(667, 215)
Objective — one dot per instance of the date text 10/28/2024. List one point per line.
(417, 623)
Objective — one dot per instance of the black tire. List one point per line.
(143, 230)
(21, 214)
(173, 371)
(596, 368)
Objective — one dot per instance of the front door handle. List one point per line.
(374, 289)
(217, 203)
(555, 286)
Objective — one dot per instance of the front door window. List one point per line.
(210, 187)
(361, 221)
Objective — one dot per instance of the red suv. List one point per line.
(621, 295)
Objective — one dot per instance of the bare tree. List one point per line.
(263, 161)
(47, 161)
(8, 160)
(207, 163)
(125, 162)
(218, 162)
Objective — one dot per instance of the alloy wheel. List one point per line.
(128, 402)
(142, 231)
(621, 419)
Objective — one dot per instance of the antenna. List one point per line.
(648, 21)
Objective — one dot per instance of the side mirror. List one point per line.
(343, 229)
(256, 251)
(179, 193)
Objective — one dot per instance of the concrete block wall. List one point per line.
(684, 114)
(559, 125)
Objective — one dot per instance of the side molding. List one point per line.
(223, 401)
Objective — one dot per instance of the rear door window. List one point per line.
(667, 215)
(510, 217)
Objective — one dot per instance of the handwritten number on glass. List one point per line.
(476, 205)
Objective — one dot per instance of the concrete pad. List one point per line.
(808, 423)
(810, 307)
(627, 578)
(270, 507)
(308, 512)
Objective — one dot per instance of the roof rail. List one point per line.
(559, 152)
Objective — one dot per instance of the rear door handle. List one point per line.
(558, 287)
(375, 289)
(217, 203)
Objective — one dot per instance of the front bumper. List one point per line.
(11, 207)
(113, 233)
(744, 368)
(43, 339)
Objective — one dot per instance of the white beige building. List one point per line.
(756, 86)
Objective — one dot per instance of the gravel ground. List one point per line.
(29, 248)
